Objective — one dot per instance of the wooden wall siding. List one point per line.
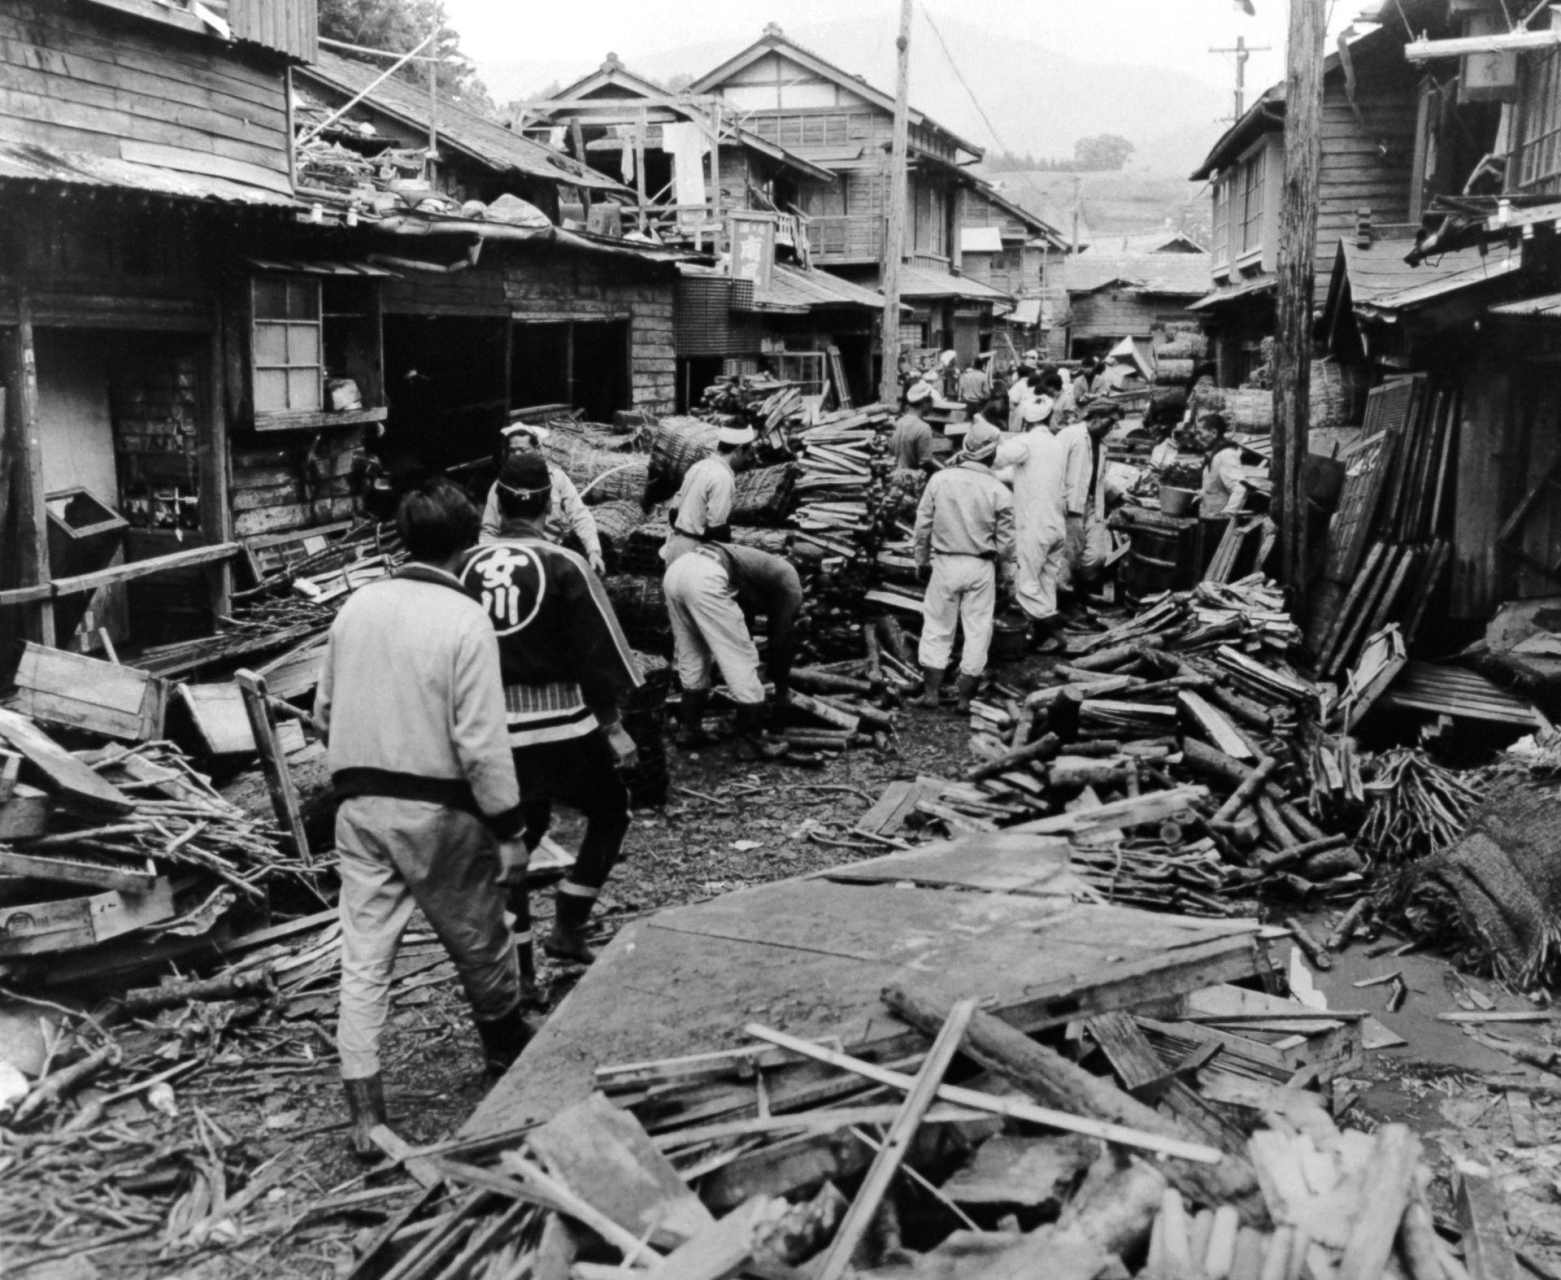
(278, 487)
(461, 293)
(552, 291)
(104, 89)
(290, 26)
(1096, 315)
(1364, 166)
(1484, 446)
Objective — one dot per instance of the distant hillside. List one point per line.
(1039, 101)
(1126, 203)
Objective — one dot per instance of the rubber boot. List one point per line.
(966, 686)
(751, 719)
(365, 1109)
(932, 682)
(502, 1040)
(1043, 637)
(520, 907)
(566, 940)
(691, 715)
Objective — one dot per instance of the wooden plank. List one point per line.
(97, 874)
(219, 716)
(273, 761)
(1483, 1219)
(62, 774)
(120, 573)
(77, 923)
(897, 1142)
(718, 1251)
(1215, 725)
(604, 1156)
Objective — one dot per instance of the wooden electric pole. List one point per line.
(1293, 309)
(1243, 51)
(894, 238)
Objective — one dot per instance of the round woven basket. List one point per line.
(763, 495)
(676, 444)
(601, 475)
(615, 524)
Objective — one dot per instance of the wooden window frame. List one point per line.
(1539, 144)
(1219, 246)
(287, 324)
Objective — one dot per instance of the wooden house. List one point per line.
(1128, 296)
(1007, 247)
(1369, 127)
(704, 181)
(145, 160)
(790, 96)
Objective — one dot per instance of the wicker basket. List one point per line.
(601, 475)
(1246, 411)
(644, 720)
(642, 553)
(1338, 397)
(642, 611)
(764, 495)
(1173, 372)
(676, 444)
(616, 523)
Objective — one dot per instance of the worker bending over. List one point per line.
(411, 706)
(567, 669)
(711, 594)
(702, 510)
(1084, 462)
(1040, 515)
(570, 515)
(964, 530)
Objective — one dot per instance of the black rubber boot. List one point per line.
(365, 1109)
(932, 686)
(1043, 637)
(691, 715)
(502, 1040)
(967, 686)
(751, 719)
(566, 940)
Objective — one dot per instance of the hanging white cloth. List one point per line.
(688, 145)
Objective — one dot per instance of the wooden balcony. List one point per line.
(846, 239)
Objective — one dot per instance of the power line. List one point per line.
(954, 67)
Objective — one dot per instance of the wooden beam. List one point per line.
(894, 238)
(216, 511)
(1500, 42)
(32, 517)
(119, 573)
(273, 761)
(1296, 270)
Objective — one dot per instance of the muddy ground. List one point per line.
(726, 824)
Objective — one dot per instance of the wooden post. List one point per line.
(433, 102)
(216, 511)
(894, 239)
(1293, 318)
(639, 163)
(32, 515)
(273, 761)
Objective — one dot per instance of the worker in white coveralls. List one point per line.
(569, 516)
(411, 705)
(702, 510)
(964, 534)
(711, 593)
(1037, 458)
(1084, 462)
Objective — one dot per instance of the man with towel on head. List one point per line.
(1038, 460)
(964, 528)
(569, 513)
(702, 510)
(910, 444)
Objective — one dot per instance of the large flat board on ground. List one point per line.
(810, 957)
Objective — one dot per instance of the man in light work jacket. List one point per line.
(964, 531)
(1040, 511)
(702, 510)
(411, 706)
(567, 669)
(1089, 541)
(569, 514)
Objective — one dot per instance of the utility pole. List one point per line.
(1242, 53)
(433, 102)
(894, 240)
(1293, 307)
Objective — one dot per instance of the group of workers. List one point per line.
(482, 683)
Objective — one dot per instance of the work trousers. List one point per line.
(581, 773)
(1041, 554)
(708, 627)
(1088, 545)
(395, 854)
(962, 589)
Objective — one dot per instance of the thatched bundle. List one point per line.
(676, 444)
(642, 611)
(764, 494)
(776, 541)
(616, 523)
(1184, 345)
(1173, 372)
(1338, 398)
(601, 475)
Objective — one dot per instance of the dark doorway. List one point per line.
(583, 364)
(444, 382)
(695, 373)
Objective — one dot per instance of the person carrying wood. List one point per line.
(1037, 459)
(567, 669)
(964, 531)
(411, 707)
(711, 594)
(702, 510)
(570, 515)
(1224, 482)
(1084, 466)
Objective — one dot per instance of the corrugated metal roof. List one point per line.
(27, 162)
(1403, 287)
(490, 143)
(923, 282)
(1177, 274)
(1230, 292)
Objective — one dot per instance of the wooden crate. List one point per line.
(70, 689)
(70, 924)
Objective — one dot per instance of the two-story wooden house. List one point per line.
(791, 96)
(145, 150)
(1011, 249)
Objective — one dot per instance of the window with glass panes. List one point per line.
(1541, 136)
(1221, 245)
(289, 353)
(1252, 202)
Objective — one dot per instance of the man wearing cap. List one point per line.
(974, 387)
(910, 444)
(567, 669)
(711, 593)
(1084, 469)
(569, 513)
(1040, 515)
(964, 530)
(702, 510)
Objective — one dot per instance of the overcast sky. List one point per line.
(1169, 33)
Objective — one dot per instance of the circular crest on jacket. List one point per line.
(509, 580)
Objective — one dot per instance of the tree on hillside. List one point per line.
(400, 26)
(679, 82)
(1103, 152)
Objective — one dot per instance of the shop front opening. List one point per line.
(582, 364)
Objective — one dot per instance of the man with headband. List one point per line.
(964, 528)
(570, 515)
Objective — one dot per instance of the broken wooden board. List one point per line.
(1022, 1171)
(24, 814)
(59, 772)
(1452, 691)
(811, 956)
(74, 923)
(603, 1155)
(221, 722)
(58, 687)
(996, 861)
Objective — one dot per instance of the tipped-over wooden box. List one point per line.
(58, 687)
